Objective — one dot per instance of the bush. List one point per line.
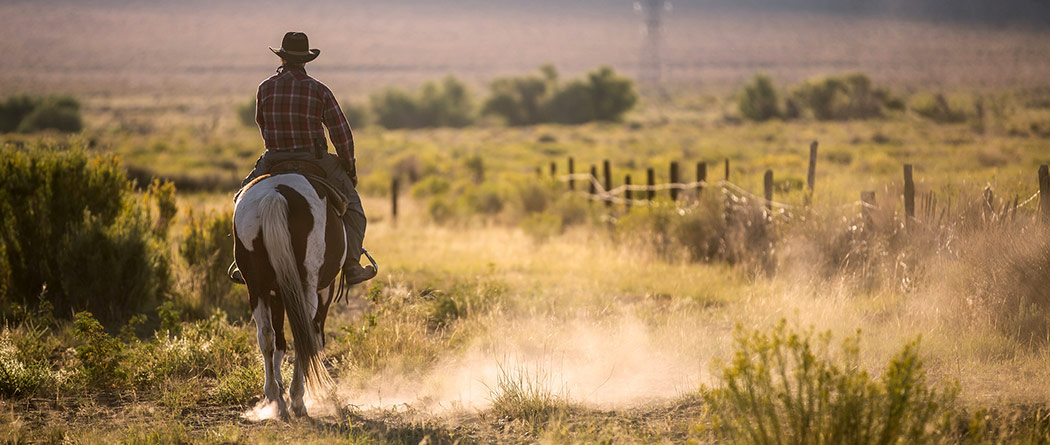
(759, 100)
(572, 104)
(788, 387)
(613, 95)
(14, 109)
(114, 269)
(518, 99)
(396, 108)
(841, 98)
(357, 114)
(208, 250)
(53, 115)
(70, 229)
(18, 377)
(26, 114)
(101, 355)
(444, 104)
(528, 100)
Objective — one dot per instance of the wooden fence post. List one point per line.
(867, 200)
(909, 195)
(607, 170)
(650, 180)
(674, 180)
(572, 170)
(727, 169)
(767, 182)
(1044, 193)
(627, 193)
(393, 199)
(554, 169)
(594, 177)
(811, 176)
(701, 177)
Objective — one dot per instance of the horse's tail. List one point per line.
(273, 211)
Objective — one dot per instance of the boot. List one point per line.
(352, 269)
(356, 273)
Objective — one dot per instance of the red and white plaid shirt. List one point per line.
(291, 107)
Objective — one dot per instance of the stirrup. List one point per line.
(235, 274)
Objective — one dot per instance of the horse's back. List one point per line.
(296, 191)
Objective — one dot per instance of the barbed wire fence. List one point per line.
(624, 194)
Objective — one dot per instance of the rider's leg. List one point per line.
(353, 220)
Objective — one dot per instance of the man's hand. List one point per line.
(350, 166)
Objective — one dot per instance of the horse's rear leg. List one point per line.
(268, 346)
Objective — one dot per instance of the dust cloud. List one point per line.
(608, 362)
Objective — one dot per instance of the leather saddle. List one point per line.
(314, 174)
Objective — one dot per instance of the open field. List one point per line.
(507, 309)
(620, 331)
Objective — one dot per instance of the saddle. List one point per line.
(313, 173)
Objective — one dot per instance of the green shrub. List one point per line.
(19, 377)
(789, 387)
(27, 114)
(759, 100)
(113, 269)
(852, 96)
(518, 99)
(71, 229)
(444, 104)
(62, 114)
(208, 250)
(239, 386)
(572, 104)
(101, 356)
(527, 100)
(396, 108)
(612, 95)
(14, 109)
(358, 115)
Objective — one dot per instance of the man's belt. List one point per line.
(294, 150)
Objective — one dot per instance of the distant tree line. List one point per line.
(601, 95)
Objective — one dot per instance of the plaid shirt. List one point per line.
(291, 107)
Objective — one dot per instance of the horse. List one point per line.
(290, 245)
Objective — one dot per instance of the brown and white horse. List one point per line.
(289, 246)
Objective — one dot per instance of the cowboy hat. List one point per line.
(296, 48)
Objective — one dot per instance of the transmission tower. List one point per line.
(650, 69)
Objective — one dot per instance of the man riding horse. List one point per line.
(291, 108)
